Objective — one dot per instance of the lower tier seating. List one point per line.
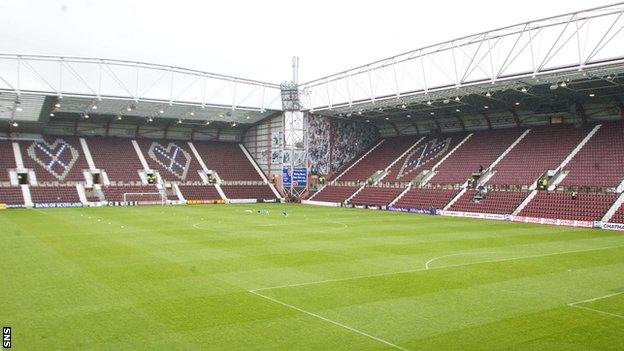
(93, 198)
(48, 195)
(7, 160)
(374, 196)
(248, 192)
(117, 157)
(11, 196)
(496, 202)
(618, 217)
(199, 192)
(116, 193)
(332, 193)
(427, 198)
(560, 205)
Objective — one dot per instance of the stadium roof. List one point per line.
(580, 46)
(553, 61)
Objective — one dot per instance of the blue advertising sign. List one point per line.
(298, 177)
(286, 178)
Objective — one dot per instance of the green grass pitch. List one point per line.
(227, 278)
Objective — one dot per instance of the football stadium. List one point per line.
(465, 195)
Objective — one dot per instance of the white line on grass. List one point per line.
(597, 298)
(329, 321)
(434, 268)
(598, 311)
(256, 291)
(452, 255)
(199, 225)
(577, 303)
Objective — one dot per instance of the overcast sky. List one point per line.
(255, 39)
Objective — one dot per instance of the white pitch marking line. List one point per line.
(329, 321)
(598, 311)
(577, 303)
(433, 268)
(596, 298)
(452, 255)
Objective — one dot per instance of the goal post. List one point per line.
(145, 198)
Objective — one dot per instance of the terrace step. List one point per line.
(525, 202)
(511, 147)
(178, 193)
(197, 156)
(400, 195)
(17, 153)
(220, 191)
(82, 195)
(87, 154)
(560, 172)
(139, 153)
(491, 171)
(316, 193)
(557, 179)
(579, 146)
(27, 196)
(454, 200)
(355, 193)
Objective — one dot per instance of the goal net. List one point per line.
(145, 198)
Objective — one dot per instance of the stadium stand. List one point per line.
(116, 193)
(560, 205)
(11, 195)
(591, 167)
(600, 163)
(58, 194)
(333, 193)
(55, 159)
(205, 192)
(227, 159)
(482, 149)
(248, 192)
(496, 202)
(92, 198)
(172, 159)
(541, 150)
(117, 157)
(618, 217)
(376, 196)
(7, 160)
(426, 198)
(379, 159)
(424, 156)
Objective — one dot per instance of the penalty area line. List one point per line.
(577, 303)
(597, 311)
(344, 326)
(596, 298)
(434, 268)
